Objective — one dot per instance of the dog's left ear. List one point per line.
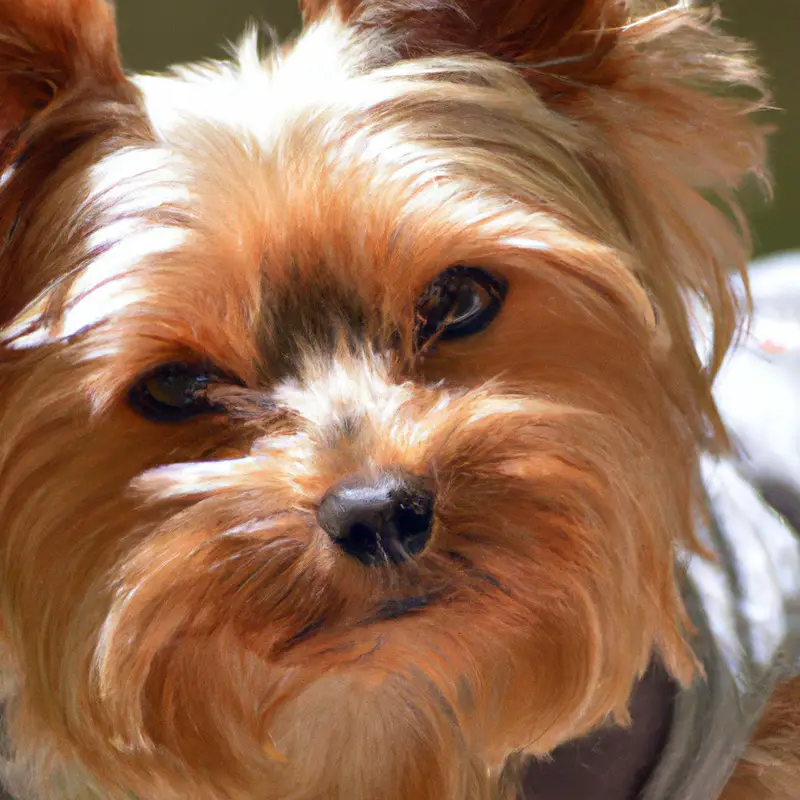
(48, 47)
(566, 42)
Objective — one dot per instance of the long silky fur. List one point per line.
(175, 624)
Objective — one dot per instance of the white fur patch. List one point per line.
(253, 95)
(125, 186)
(335, 391)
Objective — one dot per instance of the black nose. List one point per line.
(381, 518)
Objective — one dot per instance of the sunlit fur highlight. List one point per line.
(175, 622)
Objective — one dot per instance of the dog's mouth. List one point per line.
(392, 609)
(402, 607)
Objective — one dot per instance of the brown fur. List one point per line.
(562, 45)
(770, 768)
(48, 47)
(175, 622)
(62, 88)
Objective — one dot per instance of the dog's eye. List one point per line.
(460, 302)
(173, 392)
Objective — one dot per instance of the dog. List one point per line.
(358, 435)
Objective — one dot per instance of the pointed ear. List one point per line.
(48, 47)
(564, 41)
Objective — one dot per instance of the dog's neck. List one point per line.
(613, 763)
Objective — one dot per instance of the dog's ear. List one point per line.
(656, 53)
(48, 47)
(566, 42)
(61, 88)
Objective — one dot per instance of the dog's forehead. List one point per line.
(256, 93)
(265, 185)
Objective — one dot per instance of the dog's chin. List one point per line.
(378, 714)
(353, 715)
(386, 734)
(407, 709)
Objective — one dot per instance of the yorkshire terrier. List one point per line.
(358, 437)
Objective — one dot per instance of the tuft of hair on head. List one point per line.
(666, 104)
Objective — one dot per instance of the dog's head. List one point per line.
(349, 411)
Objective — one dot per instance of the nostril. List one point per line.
(361, 541)
(413, 521)
(385, 517)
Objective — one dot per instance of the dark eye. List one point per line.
(174, 392)
(460, 302)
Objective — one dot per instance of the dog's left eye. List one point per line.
(173, 392)
(460, 302)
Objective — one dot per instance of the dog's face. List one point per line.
(349, 412)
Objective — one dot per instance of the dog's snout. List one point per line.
(380, 518)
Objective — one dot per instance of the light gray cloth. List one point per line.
(745, 604)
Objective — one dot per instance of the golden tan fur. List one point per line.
(175, 624)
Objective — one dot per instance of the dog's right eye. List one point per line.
(174, 392)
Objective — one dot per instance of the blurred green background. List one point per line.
(160, 32)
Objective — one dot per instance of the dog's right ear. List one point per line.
(62, 88)
(48, 48)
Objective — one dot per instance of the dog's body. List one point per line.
(352, 414)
